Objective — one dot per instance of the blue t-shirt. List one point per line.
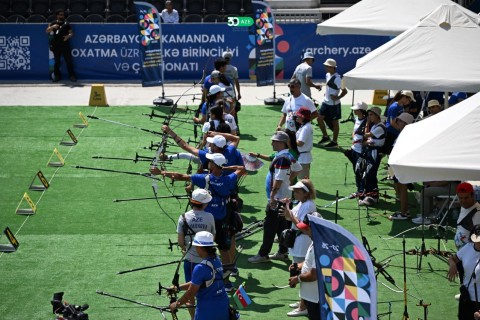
(393, 111)
(231, 154)
(220, 189)
(212, 301)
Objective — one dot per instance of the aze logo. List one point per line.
(240, 21)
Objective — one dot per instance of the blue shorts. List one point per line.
(331, 112)
(188, 270)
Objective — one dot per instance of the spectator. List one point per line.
(169, 15)
(304, 141)
(354, 153)
(367, 164)
(456, 97)
(434, 107)
(467, 258)
(330, 111)
(290, 107)
(207, 283)
(231, 73)
(469, 213)
(303, 72)
(307, 277)
(401, 189)
(60, 33)
(401, 99)
(281, 172)
(304, 193)
(189, 224)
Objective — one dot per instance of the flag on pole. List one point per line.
(241, 298)
(150, 35)
(346, 277)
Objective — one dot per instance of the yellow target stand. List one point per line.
(98, 97)
(24, 210)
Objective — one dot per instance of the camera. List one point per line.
(288, 238)
(67, 311)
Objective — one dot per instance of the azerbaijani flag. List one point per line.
(242, 300)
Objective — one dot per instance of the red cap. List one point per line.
(465, 187)
(305, 113)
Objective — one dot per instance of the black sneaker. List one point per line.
(332, 144)
(324, 139)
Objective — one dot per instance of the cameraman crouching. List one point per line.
(307, 275)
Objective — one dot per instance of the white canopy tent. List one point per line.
(379, 17)
(444, 147)
(438, 54)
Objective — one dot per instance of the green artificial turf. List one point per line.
(79, 238)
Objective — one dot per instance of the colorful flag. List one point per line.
(346, 277)
(150, 35)
(242, 300)
(264, 32)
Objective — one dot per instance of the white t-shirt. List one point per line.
(469, 257)
(331, 91)
(169, 17)
(302, 71)
(291, 106)
(305, 134)
(284, 175)
(229, 119)
(377, 131)
(231, 72)
(303, 241)
(309, 290)
(198, 221)
(462, 235)
(357, 138)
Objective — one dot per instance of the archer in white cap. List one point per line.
(189, 225)
(221, 186)
(330, 110)
(303, 72)
(206, 282)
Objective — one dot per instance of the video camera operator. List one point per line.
(60, 33)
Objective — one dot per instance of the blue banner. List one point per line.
(346, 279)
(111, 51)
(263, 31)
(150, 30)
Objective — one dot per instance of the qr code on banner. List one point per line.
(15, 53)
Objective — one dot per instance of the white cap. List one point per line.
(217, 158)
(215, 74)
(330, 63)
(409, 94)
(360, 106)
(203, 239)
(217, 140)
(308, 55)
(406, 117)
(201, 196)
(215, 89)
(227, 54)
(299, 185)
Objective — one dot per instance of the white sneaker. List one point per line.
(258, 259)
(294, 305)
(279, 256)
(297, 313)
(421, 220)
